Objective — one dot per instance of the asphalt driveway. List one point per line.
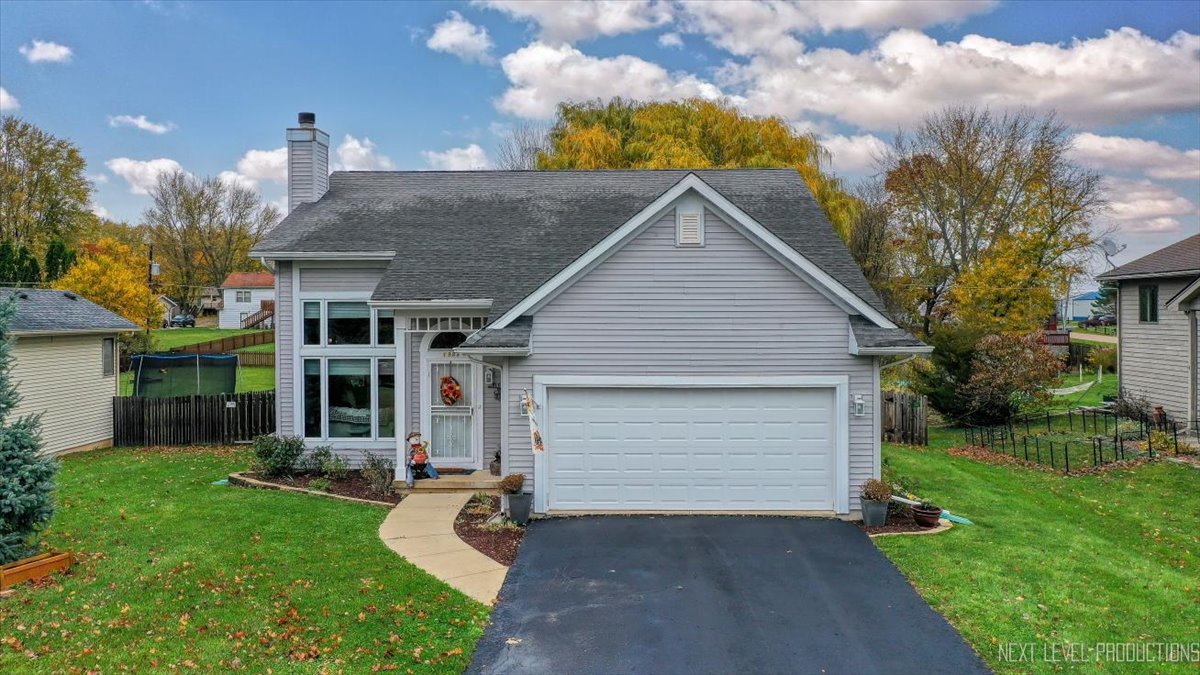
(711, 594)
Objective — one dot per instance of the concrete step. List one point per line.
(480, 481)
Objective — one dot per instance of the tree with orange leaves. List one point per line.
(113, 275)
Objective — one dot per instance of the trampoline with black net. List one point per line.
(160, 375)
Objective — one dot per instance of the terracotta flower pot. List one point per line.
(927, 517)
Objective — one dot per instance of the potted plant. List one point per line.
(876, 495)
(926, 514)
(518, 503)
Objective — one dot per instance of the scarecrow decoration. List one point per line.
(418, 465)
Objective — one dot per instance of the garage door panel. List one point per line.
(690, 449)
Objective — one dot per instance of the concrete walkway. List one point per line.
(421, 528)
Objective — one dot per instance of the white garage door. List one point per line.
(692, 449)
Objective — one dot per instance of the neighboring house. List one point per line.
(66, 366)
(1157, 305)
(170, 308)
(247, 297)
(692, 340)
(1081, 305)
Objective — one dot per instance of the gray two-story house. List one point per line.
(1159, 349)
(689, 340)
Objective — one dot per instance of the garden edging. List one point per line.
(943, 525)
(240, 479)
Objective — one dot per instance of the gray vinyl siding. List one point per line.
(1154, 358)
(284, 344)
(342, 278)
(727, 308)
(62, 378)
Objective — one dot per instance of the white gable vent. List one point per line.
(689, 227)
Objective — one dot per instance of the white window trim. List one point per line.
(839, 383)
(821, 281)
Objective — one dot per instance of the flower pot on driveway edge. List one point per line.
(519, 506)
(874, 513)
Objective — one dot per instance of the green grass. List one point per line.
(177, 573)
(257, 378)
(1053, 559)
(1094, 396)
(265, 348)
(1098, 330)
(169, 338)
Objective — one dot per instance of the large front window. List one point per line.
(349, 371)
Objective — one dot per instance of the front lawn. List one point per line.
(1092, 397)
(264, 348)
(1052, 559)
(179, 574)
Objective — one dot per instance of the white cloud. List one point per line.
(461, 38)
(571, 21)
(359, 155)
(97, 178)
(1122, 76)
(670, 40)
(1154, 158)
(142, 175)
(140, 122)
(544, 75)
(458, 159)
(45, 52)
(233, 178)
(8, 101)
(99, 211)
(1144, 206)
(854, 154)
(257, 165)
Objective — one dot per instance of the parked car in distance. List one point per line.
(1099, 320)
(183, 321)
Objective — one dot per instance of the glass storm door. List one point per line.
(451, 401)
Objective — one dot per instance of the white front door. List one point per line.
(451, 412)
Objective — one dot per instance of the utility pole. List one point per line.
(152, 270)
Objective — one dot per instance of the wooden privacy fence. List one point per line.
(903, 418)
(228, 344)
(192, 420)
(256, 359)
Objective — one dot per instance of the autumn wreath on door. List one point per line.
(451, 390)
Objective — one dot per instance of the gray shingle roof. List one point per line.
(502, 234)
(43, 310)
(868, 335)
(1180, 259)
(514, 335)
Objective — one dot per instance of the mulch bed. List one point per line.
(353, 485)
(498, 542)
(898, 520)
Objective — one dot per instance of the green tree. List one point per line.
(1107, 302)
(690, 134)
(43, 191)
(59, 259)
(26, 477)
(18, 266)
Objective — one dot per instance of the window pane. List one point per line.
(349, 395)
(387, 398)
(107, 364)
(312, 398)
(386, 328)
(349, 323)
(312, 323)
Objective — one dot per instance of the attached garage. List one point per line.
(692, 444)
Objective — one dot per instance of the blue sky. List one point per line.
(210, 87)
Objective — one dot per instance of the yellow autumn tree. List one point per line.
(690, 134)
(113, 275)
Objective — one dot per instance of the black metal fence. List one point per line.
(1078, 438)
(192, 420)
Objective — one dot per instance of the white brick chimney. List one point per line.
(308, 161)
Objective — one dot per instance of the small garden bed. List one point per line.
(479, 526)
(352, 485)
(899, 520)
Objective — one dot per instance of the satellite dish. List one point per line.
(1110, 248)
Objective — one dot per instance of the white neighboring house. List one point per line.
(66, 366)
(243, 295)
